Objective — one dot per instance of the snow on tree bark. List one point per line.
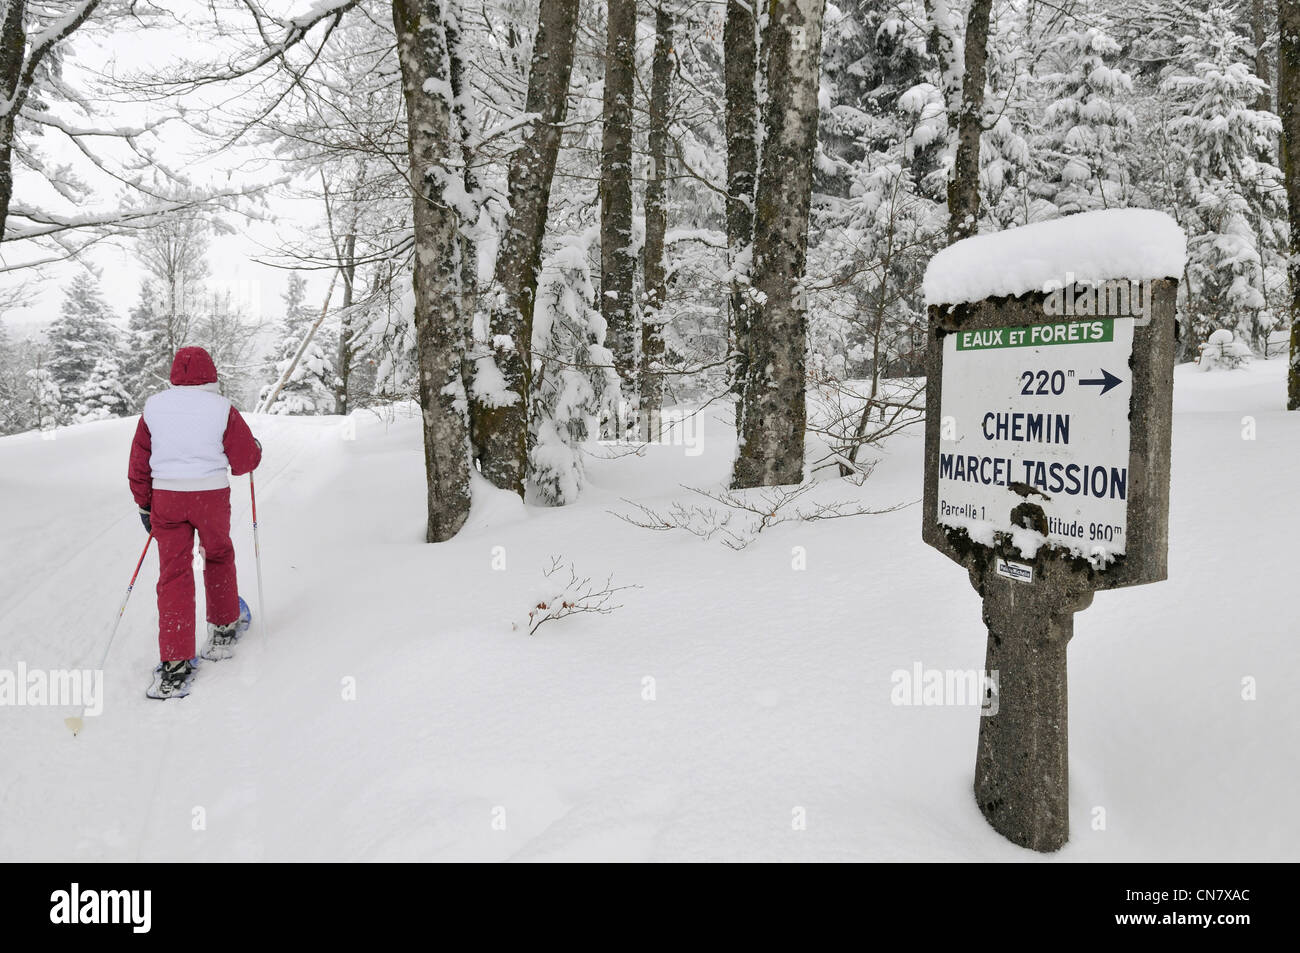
(656, 225)
(1261, 16)
(501, 379)
(964, 186)
(617, 261)
(440, 326)
(13, 40)
(771, 426)
(467, 126)
(1288, 106)
(740, 78)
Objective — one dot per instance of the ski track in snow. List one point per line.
(772, 685)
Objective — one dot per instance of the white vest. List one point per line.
(186, 430)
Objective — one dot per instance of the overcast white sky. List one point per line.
(257, 287)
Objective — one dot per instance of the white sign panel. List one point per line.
(1038, 414)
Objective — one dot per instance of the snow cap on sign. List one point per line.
(1135, 243)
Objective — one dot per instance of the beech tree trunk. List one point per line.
(740, 77)
(1261, 20)
(440, 327)
(617, 258)
(501, 416)
(1288, 107)
(964, 187)
(656, 226)
(466, 123)
(771, 426)
(13, 39)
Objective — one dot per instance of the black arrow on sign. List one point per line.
(1106, 381)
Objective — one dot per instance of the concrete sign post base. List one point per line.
(1022, 773)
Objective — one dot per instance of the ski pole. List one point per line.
(75, 723)
(257, 555)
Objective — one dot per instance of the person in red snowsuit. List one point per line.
(187, 438)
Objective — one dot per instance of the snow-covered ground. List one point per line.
(469, 739)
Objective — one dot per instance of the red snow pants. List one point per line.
(175, 517)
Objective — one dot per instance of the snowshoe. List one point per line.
(172, 679)
(222, 638)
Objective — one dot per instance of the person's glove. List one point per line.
(146, 519)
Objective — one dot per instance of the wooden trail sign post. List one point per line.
(1047, 478)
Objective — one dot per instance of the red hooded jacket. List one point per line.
(189, 417)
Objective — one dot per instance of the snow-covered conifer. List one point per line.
(79, 338)
(573, 378)
(310, 389)
(1235, 198)
(1088, 126)
(102, 395)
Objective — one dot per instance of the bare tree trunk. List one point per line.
(617, 261)
(656, 225)
(964, 187)
(440, 329)
(345, 252)
(771, 428)
(1288, 107)
(13, 40)
(467, 125)
(343, 361)
(740, 75)
(1261, 21)
(501, 418)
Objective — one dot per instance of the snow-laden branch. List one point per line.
(40, 46)
(46, 118)
(47, 223)
(291, 32)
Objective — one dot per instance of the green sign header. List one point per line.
(1097, 331)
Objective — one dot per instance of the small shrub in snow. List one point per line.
(845, 415)
(1221, 351)
(744, 513)
(565, 595)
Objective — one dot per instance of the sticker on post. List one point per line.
(1009, 569)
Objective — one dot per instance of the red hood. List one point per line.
(193, 365)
